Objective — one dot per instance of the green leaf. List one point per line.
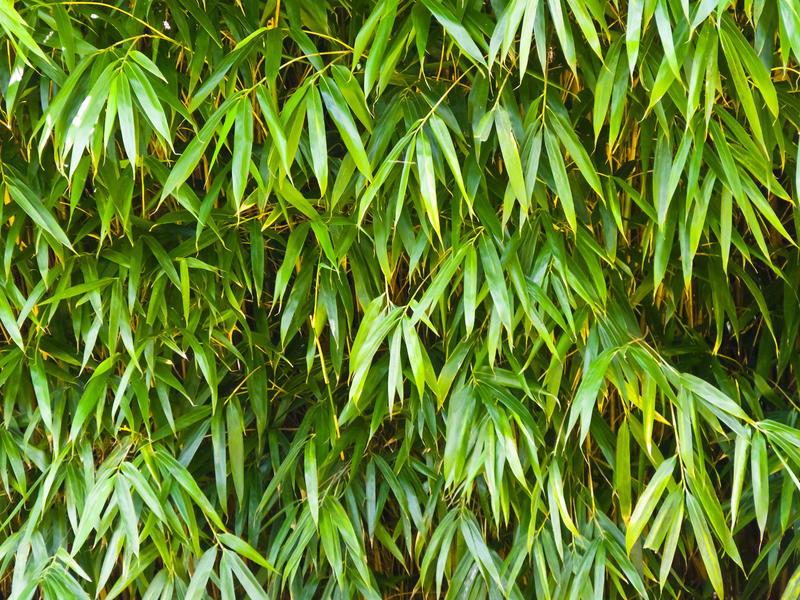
(202, 571)
(16, 28)
(219, 448)
(726, 222)
(662, 166)
(647, 501)
(9, 322)
(734, 42)
(317, 138)
(188, 160)
(622, 470)
(705, 544)
(712, 395)
(249, 583)
(239, 546)
(310, 474)
(242, 149)
(477, 547)
(556, 488)
(185, 480)
(437, 288)
(665, 33)
(584, 19)
(448, 149)
(233, 421)
(395, 377)
(427, 180)
(671, 544)
(560, 176)
(455, 29)
(792, 589)
(142, 487)
(739, 464)
(185, 289)
(33, 207)
(125, 115)
(293, 247)
(366, 31)
(146, 96)
(224, 66)
(274, 125)
(585, 398)
(470, 287)
(374, 327)
(564, 33)
(758, 465)
(633, 31)
(90, 515)
(127, 512)
(257, 257)
(566, 134)
(93, 393)
(604, 87)
(495, 280)
(510, 152)
(340, 114)
(39, 379)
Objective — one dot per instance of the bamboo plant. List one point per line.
(399, 299)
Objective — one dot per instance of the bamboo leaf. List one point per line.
(317, 138)
(202, 572)
(242, 149)
(185, 480)
(188, 160)
(340, 114)
(585, 398)
(34, 208)
(647, 502)
(758, 466)
(494, 279)
(312, 491)
(455, 29)
(705, 544)
(560, 176)
(427, 181)
(510, 151)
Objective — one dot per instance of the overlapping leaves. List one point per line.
(457, 299)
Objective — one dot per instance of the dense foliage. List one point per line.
(431, 298)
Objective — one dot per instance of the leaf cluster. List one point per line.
(383, 299)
